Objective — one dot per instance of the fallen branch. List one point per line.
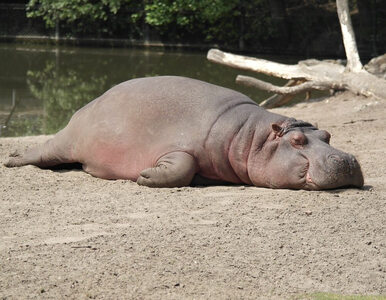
(256, 65)
(313, 74)
(284, 90)
(278, 99)
(287, 92)
(377, 66)
(320, 73)
(313, 70)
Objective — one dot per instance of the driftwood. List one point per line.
(310, 74)
(281, 99)
(377, 66)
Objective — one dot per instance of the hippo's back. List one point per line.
(140, 120)
(179, 99)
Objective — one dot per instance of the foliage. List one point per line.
(252, 23)
(209, 20)
(187, 13)
(71, 10)
(102, 18)
(204, 20)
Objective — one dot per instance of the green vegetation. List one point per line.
(270, 26)
(176, 19)
(206, 16)
(71, 10)
(229, 22)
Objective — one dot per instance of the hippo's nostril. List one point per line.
(339, 163)
(335, 157)
(345, 169)
(353, 164)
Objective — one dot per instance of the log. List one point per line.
(321, 73)
(287, 93)
(284, 90)
(314, 74)
(377, 66)
(255, 64)
(313, 70)
(277, 100)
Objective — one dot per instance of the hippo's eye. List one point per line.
(298, 139)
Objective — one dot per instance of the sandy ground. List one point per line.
(65, 234)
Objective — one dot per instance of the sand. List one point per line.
(66, 234)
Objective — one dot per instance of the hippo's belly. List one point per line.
(123, 158)
(110, 161)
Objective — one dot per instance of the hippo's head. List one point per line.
(299, 156)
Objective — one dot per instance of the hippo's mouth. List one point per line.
(310, 184)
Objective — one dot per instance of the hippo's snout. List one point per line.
(343, 169)
(338, 170)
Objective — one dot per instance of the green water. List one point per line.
(42, 86)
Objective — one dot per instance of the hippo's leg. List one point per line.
(49, 154)
(175, 169)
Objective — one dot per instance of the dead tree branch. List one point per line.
(282, 99)
(290, 90)
(377, 66)
(255, 64)
(312, 74)
(284, 90)
(324, 73)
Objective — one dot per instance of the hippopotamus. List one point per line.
(172, 131)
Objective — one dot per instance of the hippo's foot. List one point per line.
(15, 160)
(43, 156)
(175, 169)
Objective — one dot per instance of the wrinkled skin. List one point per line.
(304, 159)
(173, 131)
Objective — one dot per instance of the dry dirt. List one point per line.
(65, 234)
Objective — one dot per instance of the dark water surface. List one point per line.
(42, 86)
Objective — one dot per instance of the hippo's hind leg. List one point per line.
(174, 169)
(51, 153)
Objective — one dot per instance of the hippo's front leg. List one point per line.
(174, 169)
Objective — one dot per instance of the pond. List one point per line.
(42, 86)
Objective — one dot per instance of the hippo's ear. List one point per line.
(277, 129)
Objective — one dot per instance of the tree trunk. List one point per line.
(353, 61)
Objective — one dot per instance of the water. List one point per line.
(42, 86)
